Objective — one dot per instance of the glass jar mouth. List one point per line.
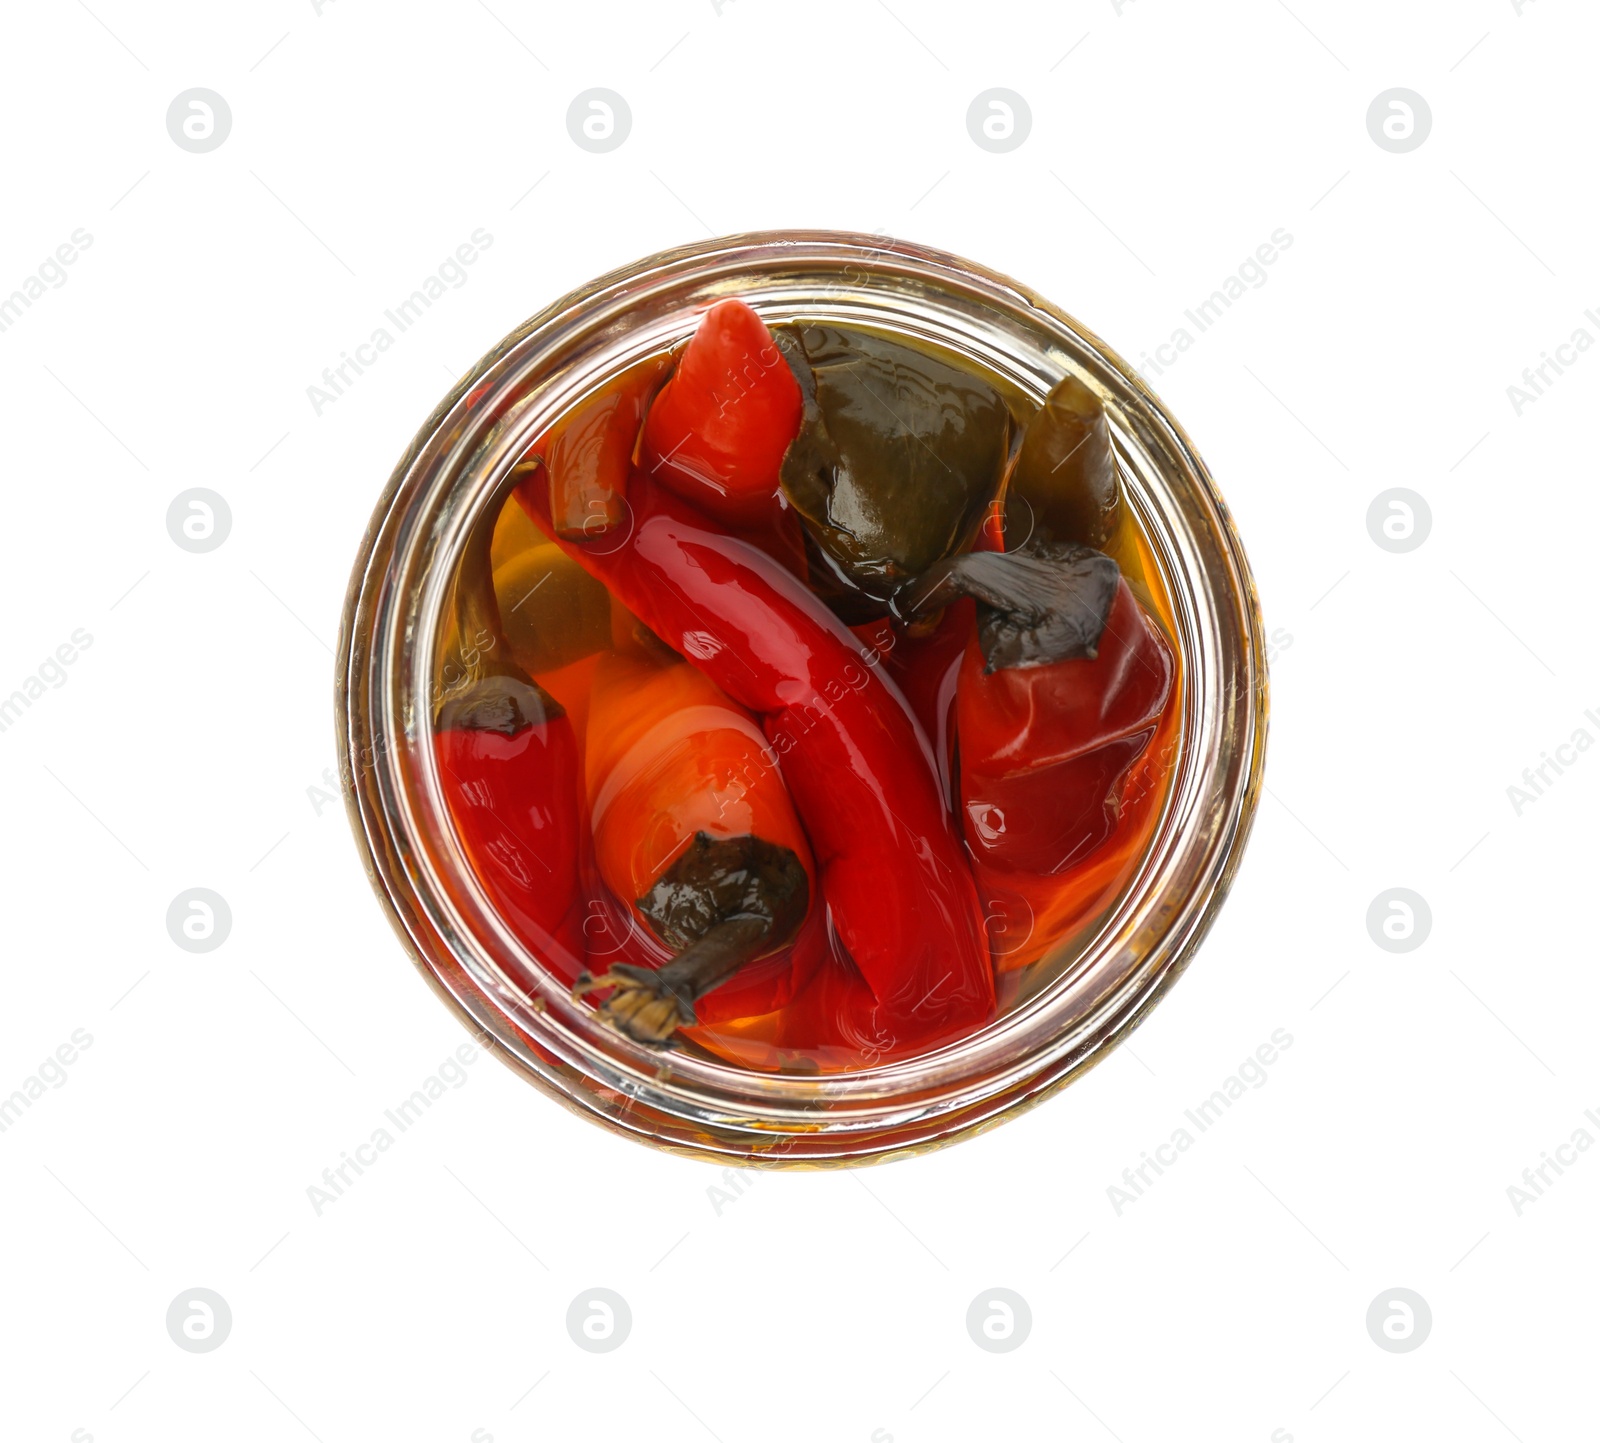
(457, 466)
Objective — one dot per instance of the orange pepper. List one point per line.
(683, 790)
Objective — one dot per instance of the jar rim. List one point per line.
(455, 467)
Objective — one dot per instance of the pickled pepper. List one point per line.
(717, 432)
(589, 453)
(898, 455)
(1050, 716)
(694, 831)
(1064, 484)
(507, 758)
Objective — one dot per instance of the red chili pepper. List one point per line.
(717, 432)
(1028, 914)
(925, 663)
(1044, 748)
(1061, 689)
(508, 761)
(861, 772)
(925, 666)
(838, 1025)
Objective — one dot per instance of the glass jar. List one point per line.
(457, 467)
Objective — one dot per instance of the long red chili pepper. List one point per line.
(925, 666)
(861, 772)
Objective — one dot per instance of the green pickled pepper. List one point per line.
(1064, 486)
(898, 455)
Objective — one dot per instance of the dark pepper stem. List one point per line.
(650, 1006)
(725, 902)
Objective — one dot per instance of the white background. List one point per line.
(1409, 691)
